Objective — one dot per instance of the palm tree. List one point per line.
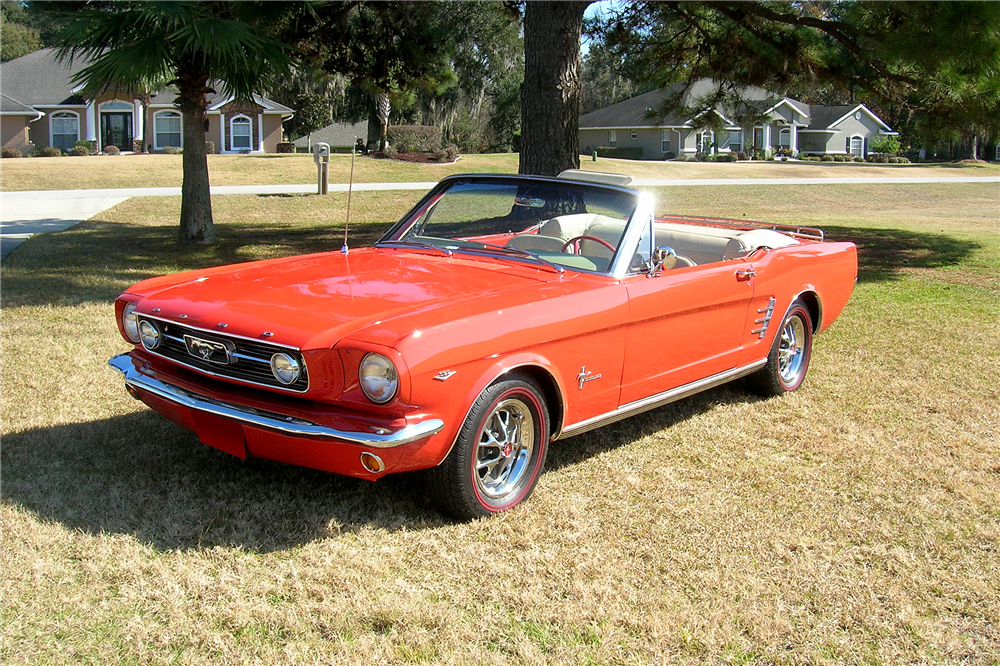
(193, 46)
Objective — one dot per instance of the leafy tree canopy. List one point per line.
(935, 64)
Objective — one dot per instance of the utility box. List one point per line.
(321, 156)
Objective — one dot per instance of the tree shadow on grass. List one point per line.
(883, 254)
(95, 261)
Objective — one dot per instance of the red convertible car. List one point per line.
(501, 314)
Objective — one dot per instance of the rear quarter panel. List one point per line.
(828, 270)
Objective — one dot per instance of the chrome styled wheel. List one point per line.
(788, 360)
(791, 353)
(506, 443)
(499, 453)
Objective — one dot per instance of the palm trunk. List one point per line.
(382, 109)
(196, 201)
(550, 95)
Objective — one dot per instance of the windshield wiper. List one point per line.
(489, 248)
(413, 243)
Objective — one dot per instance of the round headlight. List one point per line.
(285, 367)
(379, 378)
(149, 333)
(130, 322)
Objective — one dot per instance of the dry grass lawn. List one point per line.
(71, 173)
(856, 521)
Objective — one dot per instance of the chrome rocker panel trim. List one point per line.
(658, 400)
(284, 424)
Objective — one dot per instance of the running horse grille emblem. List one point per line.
(208, 350)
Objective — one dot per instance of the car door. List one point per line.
(684, 324)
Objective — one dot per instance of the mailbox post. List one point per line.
(321, 155)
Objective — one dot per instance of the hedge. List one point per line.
(415, 138)
(620, 152)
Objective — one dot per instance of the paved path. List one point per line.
(23, 214)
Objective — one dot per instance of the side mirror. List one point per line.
(664, 258)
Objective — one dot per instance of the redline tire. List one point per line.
(499, 454)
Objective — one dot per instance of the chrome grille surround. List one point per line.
(250, 360)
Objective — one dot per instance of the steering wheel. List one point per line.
(575, 243)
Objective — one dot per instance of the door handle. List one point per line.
(745, 274)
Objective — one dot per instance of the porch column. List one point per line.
(795, 138)
(767, 136)
(137, 121)
(260, 132)
(91, 124)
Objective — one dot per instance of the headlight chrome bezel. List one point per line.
(384, 370)
(130, 322)
(152, 330)
(287, 363)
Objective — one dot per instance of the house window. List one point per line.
(857, 146)
(65, 127)
(240, 129)
(167, 130)
(785, 139)
(635, 134)
(665, 141)
(736, 141)
(612, 138)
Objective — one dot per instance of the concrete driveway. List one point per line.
(24, 214)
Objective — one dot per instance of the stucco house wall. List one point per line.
(14, 131)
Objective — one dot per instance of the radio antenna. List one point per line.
(350, 187)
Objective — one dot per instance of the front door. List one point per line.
(116, 130)
(685, 324)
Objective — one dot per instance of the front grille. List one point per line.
(250, 361)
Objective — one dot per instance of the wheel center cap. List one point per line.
(506, 450)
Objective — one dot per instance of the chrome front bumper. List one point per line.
(383, 439)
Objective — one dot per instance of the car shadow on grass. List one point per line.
(884, 254)
(141, 475)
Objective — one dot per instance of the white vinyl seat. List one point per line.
(536, 242)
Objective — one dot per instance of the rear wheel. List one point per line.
(789, 358)
(499, 453)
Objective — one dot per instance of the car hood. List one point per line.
(313, 301)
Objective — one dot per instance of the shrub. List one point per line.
(209, 147)
(137, 145)
(885, 145)
(859, 159)
(701, 157)
(170, 150)
(840, 158)
(620, 152)
(880, 159)
(826, 158)
(10, 151)
(91, 147)
(301, 149)
(451, 151)
(286, 147)
(415, 138)
(725, 157)
(111, 150)
(80, 151)
(48, 151)
(741, 156)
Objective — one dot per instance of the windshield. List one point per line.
(566, 224)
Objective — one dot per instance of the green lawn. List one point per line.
(70, 173)
(856, 521)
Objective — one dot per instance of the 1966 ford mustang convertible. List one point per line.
(501, 314)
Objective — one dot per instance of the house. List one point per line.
(43, 107)
(764, 121)
(340, 136)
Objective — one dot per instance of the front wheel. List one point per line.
(499, 453)
(789, 358)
